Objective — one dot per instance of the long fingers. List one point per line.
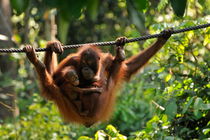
(30, 52)
(166, 33)
(55, 46)
(120, 42)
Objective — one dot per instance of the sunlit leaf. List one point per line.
(16, 38)
(190, 34)
(112, 131)
(168, 77)
(100, 135)
(42, 43)
(206, 131)
(162, 4)
(84, 138)
(206, 40)
(161, 69)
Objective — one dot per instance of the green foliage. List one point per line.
(141, 5)
(171, 109)
(136, 17)
(19, 5)
(110, 133)
(71, 10)
(179, 7)
(92, 8)
(169, 99)
(41, 121)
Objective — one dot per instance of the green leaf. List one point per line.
(112, 131)
(51, 3)
(198, 103)
(179, 7)
(136, 17)
(92, 8)
(70, 10)
(170, 138)
(19, 5)
(162, 4)
(171, 109)
(84, 138)
(161, 69)
(197, 106)
(100, 135)
(205, 107)
(206, 131)
(168, 77)
(63, 29)
(141, 4)
(186, 106)
(202, 2)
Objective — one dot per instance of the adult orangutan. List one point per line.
(84, 84)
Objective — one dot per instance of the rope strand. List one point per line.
(108, 43)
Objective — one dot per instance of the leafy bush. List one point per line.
(169, 99)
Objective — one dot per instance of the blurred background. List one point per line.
(169, 99)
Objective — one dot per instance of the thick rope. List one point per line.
(111, 42)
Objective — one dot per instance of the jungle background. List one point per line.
(169, 99)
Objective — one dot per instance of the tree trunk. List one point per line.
(8, 68)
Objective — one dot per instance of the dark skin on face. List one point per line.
(90, 63)
(83, 85)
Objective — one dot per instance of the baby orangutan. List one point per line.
(84, 84)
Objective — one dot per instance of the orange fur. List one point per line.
(91, 101)
(102, 103)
